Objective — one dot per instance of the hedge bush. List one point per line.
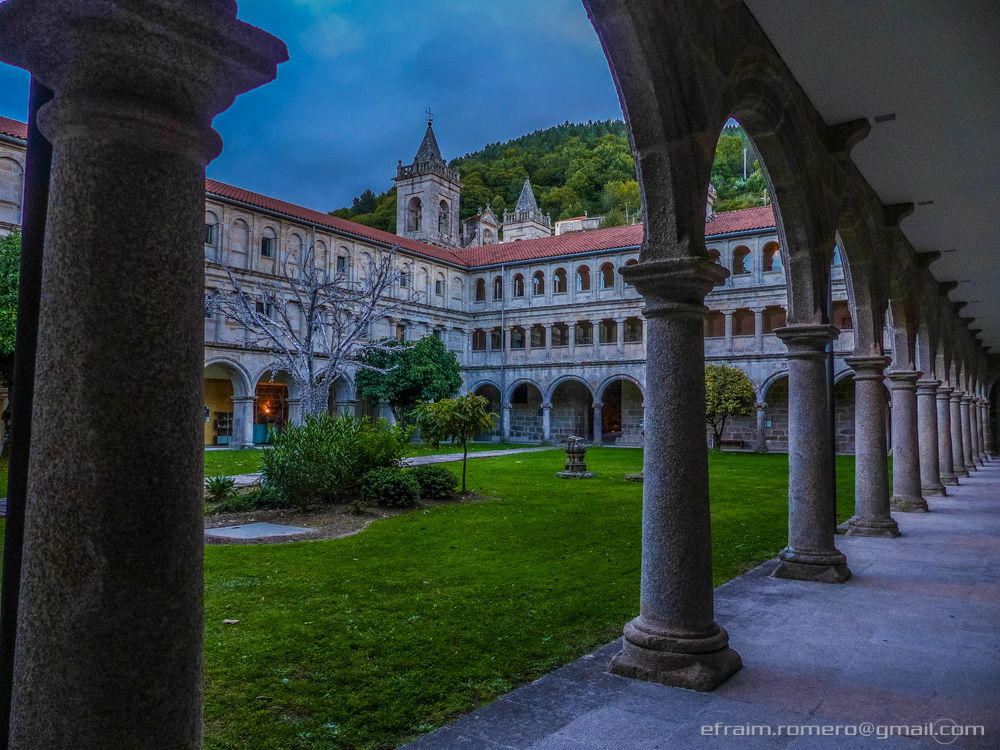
(436, 482)
(323, 459)
(390, 488)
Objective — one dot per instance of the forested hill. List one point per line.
(575, 168)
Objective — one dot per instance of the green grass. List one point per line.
(231, 462)
(365, 641)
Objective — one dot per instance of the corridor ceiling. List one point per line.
(935, 66)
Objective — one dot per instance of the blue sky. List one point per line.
(350, 101)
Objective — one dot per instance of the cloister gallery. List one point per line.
(124, 94)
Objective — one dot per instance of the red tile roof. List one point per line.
(745, 220)
(13, 128)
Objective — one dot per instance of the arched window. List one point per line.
(774, 317)
(268, 243)
(584, 332)
(488, 237)
(480, 290)
(211, 229)
(478, 340)
(607, 276)
(498, 288)
(583, 279)
(714, 255)
(559, 283)
(631, 262)
(457, 287)
(633, 331)
(439, 285)
(443, 221)
(560, 334)
(517, 337)
(11, 190)
(715, 325)
(772, 257)
(842, 315)
(239, 243)
(414, 214)
(538, 283)
(743, 323)
(741, 261)
(518, 285)
(496, 339)
(537, 336)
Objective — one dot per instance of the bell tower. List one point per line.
(427, 195)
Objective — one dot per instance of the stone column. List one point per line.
(505, 424)
(595, 336)
(384, 411)
(598, 424)
(906, 495)
(571, 328)
(758, 328)
(927, 438)
(295, 412)
(546, 421)
(620, 333)
(728, 318)
(966, 424)
(957, 454)
(871, 470)
(527, 340)
(948, 478)
(987, 431)
(977, 457)
(243, 410)
(675, 639)
(110, 626)
(760, 442)
(548, 337)
(811, 554)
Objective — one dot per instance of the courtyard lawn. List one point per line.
(231, 462)
(366, 641)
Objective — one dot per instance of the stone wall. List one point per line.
(572, 412)
(526, 417)
(777, 412)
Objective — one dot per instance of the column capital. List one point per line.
(138, 72)
(867, 367)
(806, 340)
(507, 405)
(546, 405)
(758, 310)
(598, 405)
(760, 405)
(676, 286)
(966, 398)
(927, 387)
(956, 396)
(903, 380)
(944, 391)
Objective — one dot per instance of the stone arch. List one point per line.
(11, 190)
(774, 393)
(582, 276)
(525, 399)
(238, 374)
(497, 288)
(771, 257)
(492, 392)
(223, 380)
(517, 285)
(572, 408)
(239, 243)
(414, 214)
(564, 379)
(480, 290)
(444, 221)
(607, 274)
(538, 283)
(560, 282)
(343, 396)
(742, 262)
(599, 391)
(843, 395)
(622, 405)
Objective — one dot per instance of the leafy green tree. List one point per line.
(408, 372)
(365, 203)
(10, 275)
(456, 419)
(728, 393)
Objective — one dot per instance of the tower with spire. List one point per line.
(526, 221)
(427, 195)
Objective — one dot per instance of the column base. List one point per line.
(873, 526)
(245, 447)
(679, 660)
(934, 490)
(822, 566)
(949, 480)
(971, 467)
(961, 473)
(908, 504)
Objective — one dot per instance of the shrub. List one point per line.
(267, 496)
(323, 459)
(436, 482)
(238, 502)
(390, 488)
(219, 489)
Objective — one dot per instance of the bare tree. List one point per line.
(317, 324)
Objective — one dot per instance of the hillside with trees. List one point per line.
(575, 168)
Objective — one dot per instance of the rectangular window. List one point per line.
(341, 264)
(404, 280)
(609, 332)
(265, 308)
(584, 333)
(267, 247)
(210, 233)
(401, 332)
(439, 287)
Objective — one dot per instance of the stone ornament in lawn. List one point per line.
(576, 466)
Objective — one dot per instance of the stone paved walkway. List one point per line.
(913, 638)
(248, 480)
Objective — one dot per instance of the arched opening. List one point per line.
(715, 324)
(11, 191)
(772, 257)
(439, 285)
(583, 279)
(607, 276)
(480, 290)
(498, 288)
(774, 318)
(271, 412)
(239, 244)
(741, 261)
(496, 339)
(478, 340)
(743, 322)
(842, 315)
(537, 336)
(526, 413)
(517, 285)
(538, 283)
(714, 254)
(776, 418)
(517, 337)
(630, 262)
(492, 394)
(843, 394)
(584, 333)
(212, 233)
(572, 411)
(268, 243)
(222, 382)
(488, 237)
(560, 334)
(633, 330)
(414, 214)
(559, 281)
(622, 413)
(444, 224)
(342, 399)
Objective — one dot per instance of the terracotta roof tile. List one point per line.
(547, 247)
(13, 128)
(744, 220)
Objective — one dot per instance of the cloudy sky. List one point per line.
(350, 101)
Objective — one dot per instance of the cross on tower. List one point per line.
(430, 116)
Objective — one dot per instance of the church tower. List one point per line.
(427, 194)
(526, 222)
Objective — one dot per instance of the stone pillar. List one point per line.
(548, 337)
(243, 411)
(987, 431)
(219, 326)
(728, 317)
(110, 626)
(505, 423)
(977, 457)
(620, 333)
(595, 335)
(760, 441)
(571, 328)
(966, 424)
(758, 328)
(948, 478)
(871, 470)
(546, 421)
(384, 411)
(927, 438)
(675, 639)
(906, 495)
(527, 340)
(811, 554)
(598, 423)
(295, 412)
(957, 454)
